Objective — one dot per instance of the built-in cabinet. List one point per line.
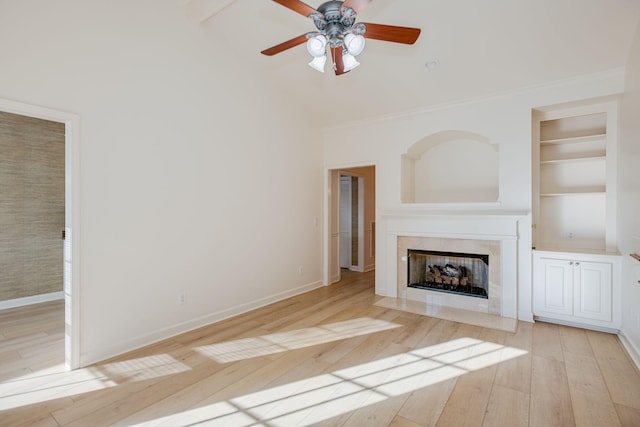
(575, 261)
(578, 289)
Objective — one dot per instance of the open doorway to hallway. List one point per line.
(350, 221)
(40, 185)
(32, 219)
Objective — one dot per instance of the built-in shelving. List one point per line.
(572, 194)
(576, 277)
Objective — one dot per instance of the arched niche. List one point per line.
(451, 167)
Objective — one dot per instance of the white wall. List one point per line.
(195, 178)
(504, 119)
(629, 198)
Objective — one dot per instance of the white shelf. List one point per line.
(574, 160)
(586, 193)
(574, 139)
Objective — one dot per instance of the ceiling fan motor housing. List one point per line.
(334, 21)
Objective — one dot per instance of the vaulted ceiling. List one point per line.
(483, 47)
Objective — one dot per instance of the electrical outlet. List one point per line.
(300, 271)
(182, 298)
(570, 235)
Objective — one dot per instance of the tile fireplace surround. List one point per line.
(471, 246)
(494, 234)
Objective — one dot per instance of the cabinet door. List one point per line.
(592, 291)
(556, 282)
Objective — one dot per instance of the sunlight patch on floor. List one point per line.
(323, 397)
(246, 348)
(144, 368)
(43, 386)
(57, 382)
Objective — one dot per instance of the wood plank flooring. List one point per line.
(329, 358)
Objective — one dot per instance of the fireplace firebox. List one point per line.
(451, 272)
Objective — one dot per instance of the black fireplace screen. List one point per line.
(451, 272)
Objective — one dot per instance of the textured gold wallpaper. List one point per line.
(31, 206)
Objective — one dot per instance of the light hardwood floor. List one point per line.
(328, 357)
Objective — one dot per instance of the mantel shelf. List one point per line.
(454, 214)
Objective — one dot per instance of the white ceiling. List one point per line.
(483, 46)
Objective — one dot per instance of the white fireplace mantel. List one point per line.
(495, 226)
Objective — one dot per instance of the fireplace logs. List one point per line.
(451, 278)
(449, 274)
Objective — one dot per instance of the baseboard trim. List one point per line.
(526, 317)
(632, 350)
(368, 268)
(577, 325)
(92, 357)
(35, 299)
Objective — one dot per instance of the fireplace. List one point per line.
(450, 272)
(453, 248)
(491, 233)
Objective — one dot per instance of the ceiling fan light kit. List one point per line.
(316, 45)
(337, 30)
(318, 62)
(354, 43)
(349, 61)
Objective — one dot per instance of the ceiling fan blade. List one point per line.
(356, 5)
(285, 45)
(391, 33)
(297, 6)
(336, 55)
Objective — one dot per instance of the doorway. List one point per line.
(70, 247)
(349, 221)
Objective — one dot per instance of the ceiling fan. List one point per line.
(338, 31)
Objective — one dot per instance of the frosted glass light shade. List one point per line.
(349, 62)
(318, 63)
(316, 46)
(354, 44)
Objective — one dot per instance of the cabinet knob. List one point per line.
(577, 263)
(570, 262)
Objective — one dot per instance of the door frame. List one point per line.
(71, 275)
(331, 185)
